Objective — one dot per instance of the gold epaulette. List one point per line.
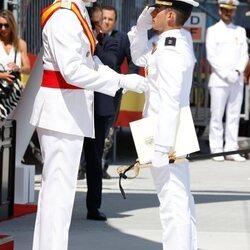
(68, 4)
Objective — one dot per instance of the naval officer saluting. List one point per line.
(169, 69)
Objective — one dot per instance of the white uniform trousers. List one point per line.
(229, 99)
(61, 153)
(177, 209)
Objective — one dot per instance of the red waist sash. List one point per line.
(54, 79)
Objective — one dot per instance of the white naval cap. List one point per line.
(228, 4)
(173, 2)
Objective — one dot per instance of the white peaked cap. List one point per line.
(228, 4)
(171, 2)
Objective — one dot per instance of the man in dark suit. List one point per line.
(111, 50)
(107, 51)
(108, 27)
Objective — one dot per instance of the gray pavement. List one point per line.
(222, 196)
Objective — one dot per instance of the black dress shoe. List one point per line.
(105, 175)
(81, 175)
(96, 215)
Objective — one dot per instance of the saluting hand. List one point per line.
(144, 21)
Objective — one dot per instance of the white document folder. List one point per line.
(143, 132)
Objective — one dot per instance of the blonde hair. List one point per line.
(6, 14)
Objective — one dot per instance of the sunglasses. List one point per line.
(5, 25)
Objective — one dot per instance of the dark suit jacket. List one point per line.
(107, 51)
(112, 50)
(124, 51)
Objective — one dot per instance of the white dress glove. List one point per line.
(134, 82)
(144, 21)
(233, 77)
(160, 159)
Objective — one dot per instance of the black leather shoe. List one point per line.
(81, 175)
(105, 175)
(97, 215)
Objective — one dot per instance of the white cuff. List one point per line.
(163, 149)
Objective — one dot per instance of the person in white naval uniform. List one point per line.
(71, 74)
(227, 53)
(169, 69)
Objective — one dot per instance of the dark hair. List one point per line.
(112, 8)
(95, 8)
(183, 11)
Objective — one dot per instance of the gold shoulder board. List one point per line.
(66, 4)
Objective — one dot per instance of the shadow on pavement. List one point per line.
(121, 215)
(220, 196)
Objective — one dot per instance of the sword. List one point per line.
(136, 166)
(208, 156)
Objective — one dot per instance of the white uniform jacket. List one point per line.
(170, 71)
(67, 49)
(226, 47)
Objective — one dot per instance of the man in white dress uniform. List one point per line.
(227, 53)
(169, 69)
(71, 74)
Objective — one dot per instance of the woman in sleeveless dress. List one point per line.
(13, 53)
